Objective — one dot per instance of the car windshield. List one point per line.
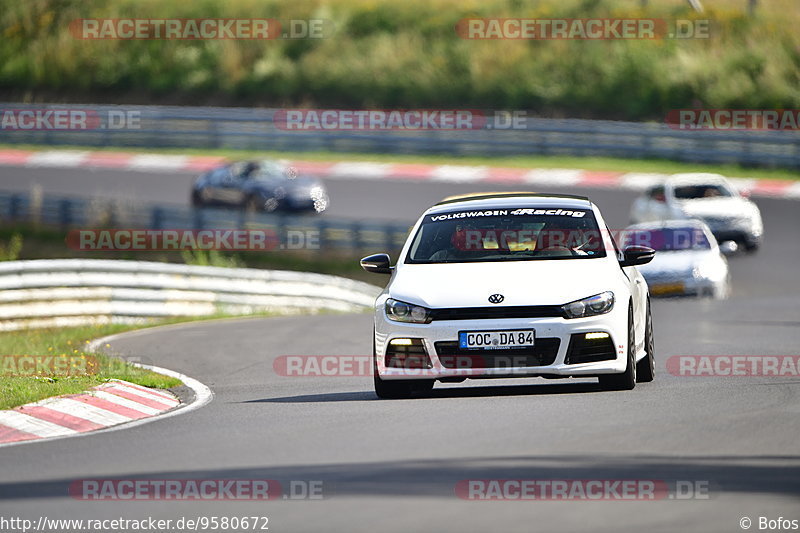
(507, 235)
(694, 192)
(269, 170)
(668, 239)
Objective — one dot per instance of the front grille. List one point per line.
(480, 313)
(542, 354)
(583, 350)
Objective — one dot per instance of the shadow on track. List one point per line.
(442, 393)
(437, 478)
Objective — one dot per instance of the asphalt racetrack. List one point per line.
(395, 465)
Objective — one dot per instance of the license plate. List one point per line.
(496, 340)
(667, 288)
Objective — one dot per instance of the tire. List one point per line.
(397, 388)
(646, 368)
(627, 379)
(251, 205)
(751, 247)
(197, 199)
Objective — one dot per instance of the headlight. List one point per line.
(708, 270)
(320, 198)
(404, 312)
(594, 305)
(701, 272)
(317, 192)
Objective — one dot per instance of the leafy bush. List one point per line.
(210, 258)
(385, 53)
(10, 250)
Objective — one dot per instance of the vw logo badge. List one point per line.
(496, 298)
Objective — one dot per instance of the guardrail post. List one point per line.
(281, 230)
(796, 162)
(322, 229)
(389, 236)
(358, 243)
(15, 207)
(65, 213)
(198, 218)
(156, 218)
(214, 131)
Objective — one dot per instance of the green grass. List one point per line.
(385, 53)
(73, 342)
(609, 164)
(67, 342)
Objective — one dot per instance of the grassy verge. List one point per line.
(607, 164)
(72, 342)
(66, 342)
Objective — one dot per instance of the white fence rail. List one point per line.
(63, 292)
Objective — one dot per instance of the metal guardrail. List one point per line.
(63, 292)
(254, 129)
(291, 232)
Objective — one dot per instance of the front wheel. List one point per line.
(627, 379)
(400, 388)
(197, 199)
(397, 388)
(751, 247)
(646, 368)
(252, 205)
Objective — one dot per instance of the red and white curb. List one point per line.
(113, 406)
(109, 404)
(558, 177)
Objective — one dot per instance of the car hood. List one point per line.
(677, 262)
(535, 282)
(717, 207)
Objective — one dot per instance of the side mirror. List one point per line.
(637, 255)
(728, 247)
(377, 264)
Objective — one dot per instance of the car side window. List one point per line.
(658, 194)
(218, 176)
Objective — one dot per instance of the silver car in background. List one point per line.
(708, 197)
(688, 260)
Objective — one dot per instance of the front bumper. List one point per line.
(684, 286)
(741, 231)
(547, 358)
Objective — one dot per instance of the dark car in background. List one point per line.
(265, 186)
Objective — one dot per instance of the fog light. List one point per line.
(407, 353)
(596, 335)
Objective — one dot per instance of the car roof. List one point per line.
(696, 178)
(669, 224)
(493, 200)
